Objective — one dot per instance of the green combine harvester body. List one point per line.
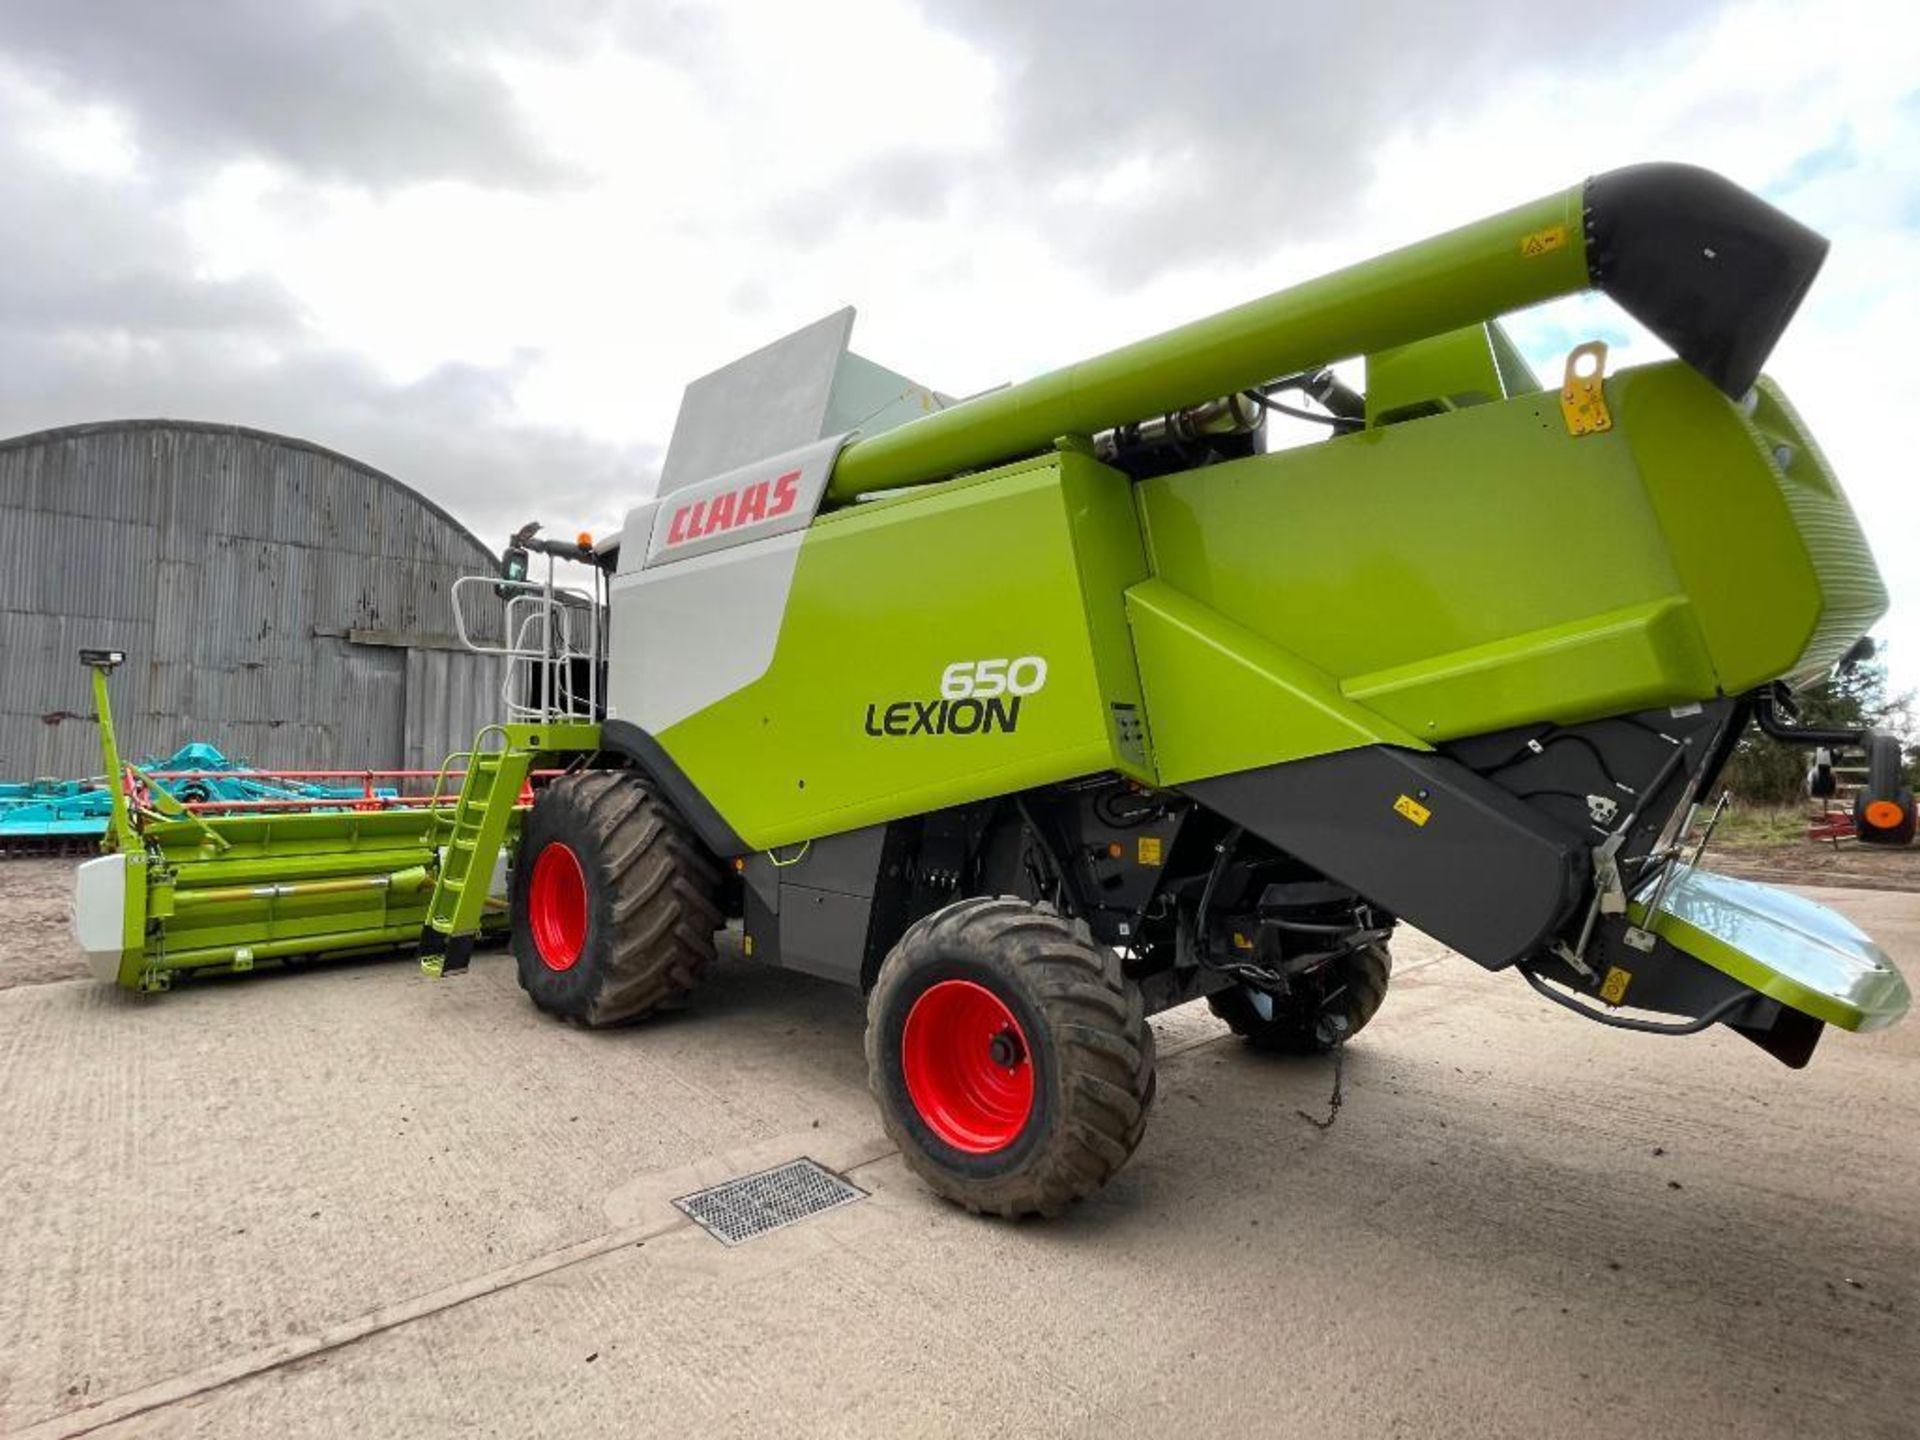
(1668, 560)
(1034, 714)
(1037, 713)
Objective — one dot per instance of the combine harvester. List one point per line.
(1036, 714)
(1067, 704)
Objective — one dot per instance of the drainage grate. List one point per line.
(754, 1204)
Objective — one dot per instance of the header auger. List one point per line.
(1035, 714)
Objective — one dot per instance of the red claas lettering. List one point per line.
(730, 509)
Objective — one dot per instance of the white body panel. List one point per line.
(99, 905)
(707, 565)
(695, 616)
(776, 495)
(685, 636)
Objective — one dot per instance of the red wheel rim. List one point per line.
(557, 907)
(1885, 814)
(969, 1070)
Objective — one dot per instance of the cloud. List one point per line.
(452, 434)
(1837, 156)
(79, 255)
(104, 315)
(915, 184)
(334, 90)
(1147, 139)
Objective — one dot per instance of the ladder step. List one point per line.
(445, 952)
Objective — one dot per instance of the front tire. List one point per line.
(1332, 1005)
(615, 902)
(1011, 1059)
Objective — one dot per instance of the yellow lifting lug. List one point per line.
(1583, 401)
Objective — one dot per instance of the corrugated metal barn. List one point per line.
(285, 602)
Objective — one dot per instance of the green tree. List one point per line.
(1765, 772)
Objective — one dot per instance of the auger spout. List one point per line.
(1712, 270)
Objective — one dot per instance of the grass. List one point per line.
(1762, 827)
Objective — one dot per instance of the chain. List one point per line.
(1339, 1096)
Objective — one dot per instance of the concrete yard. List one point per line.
(354, 1202)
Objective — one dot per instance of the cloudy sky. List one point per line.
(482, 244)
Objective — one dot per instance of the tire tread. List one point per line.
(1104, 1050)
(1292, 1030)
(662, 901)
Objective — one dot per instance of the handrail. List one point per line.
(541, 644)
(311, 804)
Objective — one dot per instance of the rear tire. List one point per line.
(1011, 1059)
(1348, 994)
(615, 903)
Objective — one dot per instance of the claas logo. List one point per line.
(730, 509)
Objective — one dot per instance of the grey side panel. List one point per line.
(1485, 874)
(823, 932)
(848, 862)
(761, 878)
(826, 904)
(761, 404)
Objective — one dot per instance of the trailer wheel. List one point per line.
(1886, 822)
(615, 902)
(1308, 1022)
(1011, 1059)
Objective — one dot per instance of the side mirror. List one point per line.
(513, 569)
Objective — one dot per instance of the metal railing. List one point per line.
(553, 640)
(373, 789)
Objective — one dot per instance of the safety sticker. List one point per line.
(1411, 808)
(1150, 850)
(1613, 989)
(1543, 242)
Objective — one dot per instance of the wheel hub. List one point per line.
(968, 1068)
(557, 906)
(1006, 1048)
